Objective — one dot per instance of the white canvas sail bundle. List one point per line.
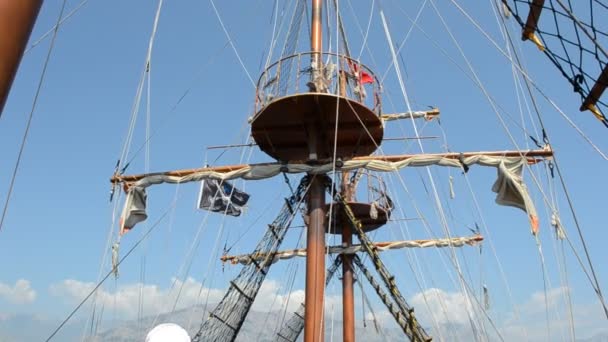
(509, 186)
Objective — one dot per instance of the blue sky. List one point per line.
(59, 216)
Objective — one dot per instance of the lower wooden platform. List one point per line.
(362, 214)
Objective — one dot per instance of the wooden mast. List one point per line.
(315, 235)
(348, 297)
(17, 18)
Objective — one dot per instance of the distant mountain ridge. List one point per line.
(28, 327)
(190, 319)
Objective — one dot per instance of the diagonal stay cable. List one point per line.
(595, 284)
(236, 52)
(29, 120)
(100, 283)
(52, 29)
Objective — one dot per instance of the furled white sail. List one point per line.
(509, 186)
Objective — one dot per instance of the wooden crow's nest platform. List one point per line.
(302, 114)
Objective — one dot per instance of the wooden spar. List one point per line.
(229, 146)
(381, 246)
(426, 114)
(596, 92)
(17, 18)
(530, 154)
(536, 7)
(412, 138)
(348, 296)
(315, 235)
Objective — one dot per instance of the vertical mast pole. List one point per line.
(315, 237)
(17, 18)
(315, 262)
(348, 298)
(316, 39)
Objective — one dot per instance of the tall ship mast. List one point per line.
(326, 121)
(320, 122)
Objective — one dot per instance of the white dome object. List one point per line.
(168, 332)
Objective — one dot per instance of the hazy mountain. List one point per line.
(27, 327)
(259, 326)
(599, 337)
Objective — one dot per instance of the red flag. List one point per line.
(366, 78)
(362, 76)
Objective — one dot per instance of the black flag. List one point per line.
(221, 196)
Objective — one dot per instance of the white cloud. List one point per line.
(442, 307)
(125, 299)
(20, 293)
(451, 320)
(444, 314)
(530, 322)
(271, 297)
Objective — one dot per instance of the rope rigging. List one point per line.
(437, 201)
(406, 321)
(554, 166)
(56, 26)
(412, 328)
(291, 43)
(31, 115)
(292, 328)
(573, 45)
(225, 321)
(107, 275)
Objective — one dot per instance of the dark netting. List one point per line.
(572, 34)
(225, 321)
(292, 328)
